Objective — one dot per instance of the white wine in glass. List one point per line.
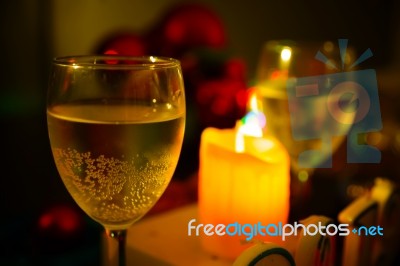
(116, 126)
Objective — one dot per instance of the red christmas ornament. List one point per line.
(60, 221)
(187, 26)
(235, 68)
(123, 44)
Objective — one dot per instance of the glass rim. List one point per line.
(105, 61)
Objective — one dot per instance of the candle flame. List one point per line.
(251, 124)
(253, 103)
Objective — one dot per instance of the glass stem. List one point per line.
(120, 237)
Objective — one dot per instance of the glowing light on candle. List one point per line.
(246, 187)
(253, 103)
(243, 177)
(249, 128)
(251, 124)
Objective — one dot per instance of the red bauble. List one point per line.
(60, 221)
(235, 68)
(187, 26)
(194, 25)
(123, 44)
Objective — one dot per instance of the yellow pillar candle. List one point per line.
(244, 187)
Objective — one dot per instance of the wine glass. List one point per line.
(308, 114)
(116, 127)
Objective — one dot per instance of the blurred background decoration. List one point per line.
(219, 45)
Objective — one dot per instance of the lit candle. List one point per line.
(242, 179)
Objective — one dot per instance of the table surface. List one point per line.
(162, 240)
